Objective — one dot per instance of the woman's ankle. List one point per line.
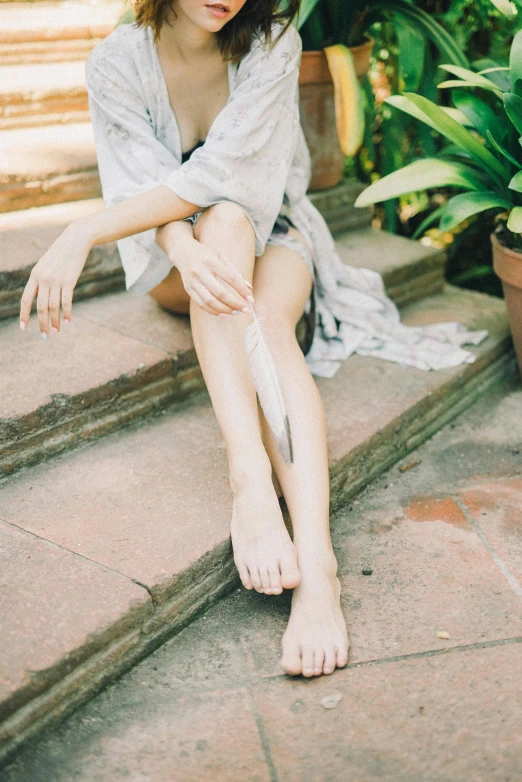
(317, 562)
(251, 473)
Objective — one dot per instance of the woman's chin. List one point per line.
(212, 23)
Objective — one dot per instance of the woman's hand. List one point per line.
(53, 278)
(214, 282)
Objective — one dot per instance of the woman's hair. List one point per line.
(235, 38)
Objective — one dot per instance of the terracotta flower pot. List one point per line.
(317, 110)
(508, 265)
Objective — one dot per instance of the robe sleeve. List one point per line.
(248, 152)
(131, 160)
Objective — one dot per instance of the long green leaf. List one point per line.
(465, 205)
(420, 175)
(498, 75)
(513, 106)
(451, 83)
(516, 183)
(515, 64)
(305, 9)
(457, 115)
(432, 115)
(427, 26)
(481, 116)
(412, 48)
(515, 220)
(432, 218)
(470, 77)
(494, 143)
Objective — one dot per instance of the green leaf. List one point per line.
(515, 64)
(481, 116)
(429, 220)
(420, 175)
(305, 9)
(432, 115)
(496, 69)
(513, 106)
(465, 205)
(470, 77)
(475, 273)
(452, 83)
(516, 182)
(427, 26)
(457, 115)
(412, 47)
(498, 75)
(515, 220)
(502, 150)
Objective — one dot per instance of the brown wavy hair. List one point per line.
(235, 38)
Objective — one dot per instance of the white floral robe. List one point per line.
(255, 154)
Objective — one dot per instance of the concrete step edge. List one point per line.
(349, 473)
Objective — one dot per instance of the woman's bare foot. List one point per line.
(316, 639)
(263, 550)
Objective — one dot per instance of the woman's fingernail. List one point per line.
(245, 309)
(44, 335)
(66, 321)
(54, 330)
(222, 314)
(22, 325)
(235, 312)
(250, 299)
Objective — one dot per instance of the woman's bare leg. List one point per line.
(263, 550)
(316, 640)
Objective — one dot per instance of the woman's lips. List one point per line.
(219, 12)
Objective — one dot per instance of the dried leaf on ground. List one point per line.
(331, 701)
(409, 465)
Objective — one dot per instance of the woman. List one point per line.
(201, 235)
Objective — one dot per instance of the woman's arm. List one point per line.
(174, 235)
(55, 275)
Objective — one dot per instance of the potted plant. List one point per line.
(336, 56)
(483, 160)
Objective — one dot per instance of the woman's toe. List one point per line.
(255, 578)
(342, 656)
(265, 580)
(291, 660)
(318, 662)
(275, 581)
(244, 576)
(290, 575)
(330, 661)
(308, 661)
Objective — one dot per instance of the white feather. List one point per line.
(264, 377)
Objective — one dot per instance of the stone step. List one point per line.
(50, 31)
(118, 544)
(122, 356)
(45, 51)
(47, 165)
(43, 94)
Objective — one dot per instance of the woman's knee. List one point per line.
(278, 326)
(226, 215)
